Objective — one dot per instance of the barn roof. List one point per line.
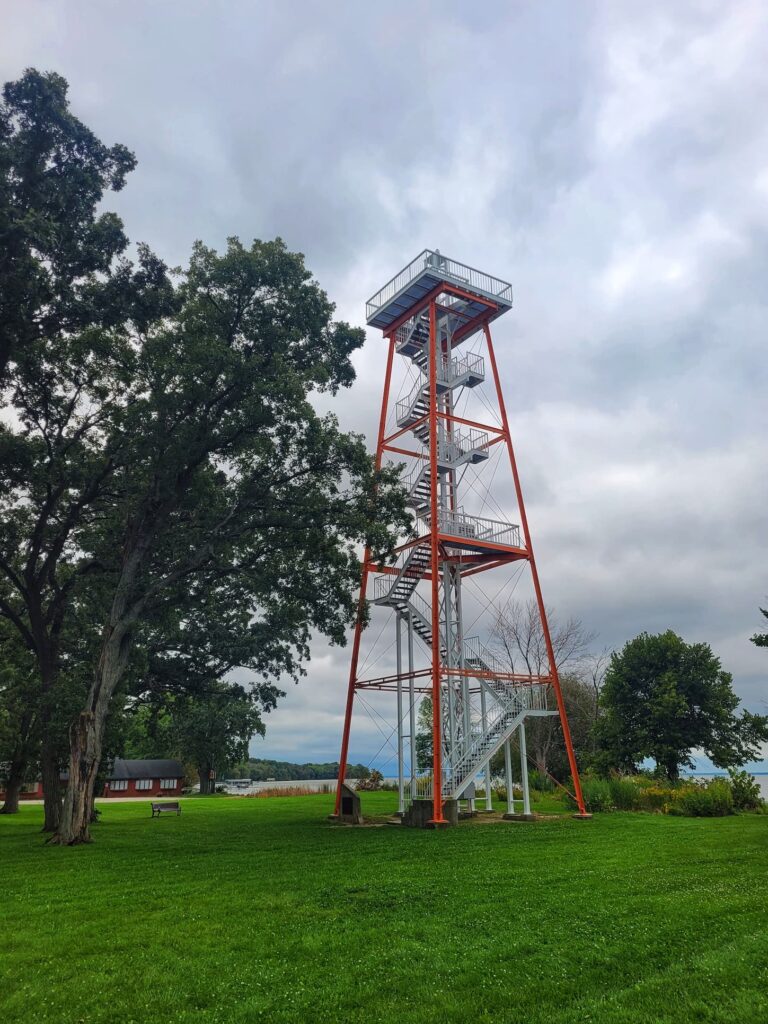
(151, 768)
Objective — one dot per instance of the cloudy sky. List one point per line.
(609, 159)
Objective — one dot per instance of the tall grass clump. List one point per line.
(626, 794)
(713, 799)
(540, 781)
(596, 793)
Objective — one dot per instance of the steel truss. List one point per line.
(426, 312)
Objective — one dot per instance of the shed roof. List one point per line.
(151, 768)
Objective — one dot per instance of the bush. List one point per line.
(369, 785)
(655, 797)
(708, 800)
(626, 795)
(541, 781)
(596, 793)
(745, 790)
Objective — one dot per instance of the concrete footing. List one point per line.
(519, 817)
(419, 814)
(582, 817)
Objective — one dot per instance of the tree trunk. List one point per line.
(86, 736)
(84, 758)
(17, 769)
(13, 785)
(207, 784)
(673, 771)
(51, 776)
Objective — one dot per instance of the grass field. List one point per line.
(259, 910)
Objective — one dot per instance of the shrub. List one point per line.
(541, 781)
(746, 791)
(596, 793)
(625, 793)
(374, 781)
(709, 800)
(500, 792)
(655, 797)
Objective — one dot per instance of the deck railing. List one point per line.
(446, 268)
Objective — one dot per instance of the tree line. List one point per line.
(172, 506)
(260, 770)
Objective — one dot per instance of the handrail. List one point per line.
(429, 259)
(448, 371)
(476, 528)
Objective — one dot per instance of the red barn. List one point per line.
(159, 777)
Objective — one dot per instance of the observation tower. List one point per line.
(436, 316)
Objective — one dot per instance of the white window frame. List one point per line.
(168, 783)
(118, 785)
(144, 783)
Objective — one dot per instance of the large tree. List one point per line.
(71, 311)
(162, 445)
(233, 485)
(213, 728)
(518, 639)
(664, 699)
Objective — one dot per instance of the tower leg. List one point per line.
(411, 708)
(465, 702)
(508, 773)
(437, 732)
(400, 765)
(487, 769)
(524, 770)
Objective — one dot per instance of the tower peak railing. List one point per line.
(451, 270)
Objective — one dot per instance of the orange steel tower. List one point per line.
(427, 313)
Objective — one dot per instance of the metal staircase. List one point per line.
(509, 702)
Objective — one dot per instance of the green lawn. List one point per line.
(250, 910)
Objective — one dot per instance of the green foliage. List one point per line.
(625, 794)
(655, 796)
(60, 273)
(597, 795)
(761, 639)
(540, 781)
(710, 800)
(746, 791)
(714, 798)
(424, 746)
(663, 698)
(372, 782)
(260, 770)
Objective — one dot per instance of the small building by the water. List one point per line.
(147, 777)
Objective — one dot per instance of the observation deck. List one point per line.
(484, 296)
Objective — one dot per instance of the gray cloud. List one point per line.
(610, 159)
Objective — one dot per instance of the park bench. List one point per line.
(171, 805)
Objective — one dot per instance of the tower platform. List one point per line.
(487, 297)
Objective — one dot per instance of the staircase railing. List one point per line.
(448, 371)
(475, 528)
